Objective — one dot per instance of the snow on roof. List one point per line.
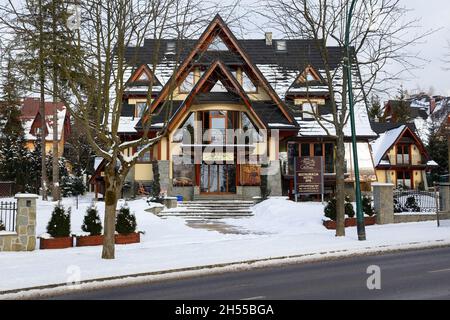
(423, 128)
(381, 145)
(432, 163)
(97, 162)
(279, 78)
(29, 111)
(127, 124)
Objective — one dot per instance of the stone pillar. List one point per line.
(164, 178)
(274, 178)
(383, 202)
(444, 197)
(24, 237)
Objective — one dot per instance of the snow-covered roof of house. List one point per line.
(30, 112)
(385, 141)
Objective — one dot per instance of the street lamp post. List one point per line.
(359, 213)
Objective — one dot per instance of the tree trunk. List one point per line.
(44, 180)
(113, 185)
(340, 185)
(56, 194)
(56, 189)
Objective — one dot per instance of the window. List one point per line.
(281, 45)
(188, 83)
(403, 154)
(309, 109)
(183, 174)
(217, 45)
(404, 179)
(185, 133)
(310, 76)
(140, 109)
(219, 87)
(248, 126)
(325, 150)
(292, 153)
(170, 47)
(329, 158)
(146, 157)
(247, 83)
(143, 76)
(305, 150)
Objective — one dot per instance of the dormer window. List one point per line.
(310, 77)
(281, 45)
(170, 49)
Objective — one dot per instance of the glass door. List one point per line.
(218, 178)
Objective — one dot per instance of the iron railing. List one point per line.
(8, 211)
(415, 201)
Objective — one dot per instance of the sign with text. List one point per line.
(218, 156)
(309, 175)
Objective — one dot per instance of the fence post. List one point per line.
(444, 196)
(26, 222)
(383, 202)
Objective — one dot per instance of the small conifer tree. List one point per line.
(59, 224)
(92, 222)
(126, 221)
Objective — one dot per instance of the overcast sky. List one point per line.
(433, 15)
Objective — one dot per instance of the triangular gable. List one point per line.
(216, 72)
(390, 138)
(218, 28)
(309, 75)
(143, 74)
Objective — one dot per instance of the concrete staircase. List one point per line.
(210, 209)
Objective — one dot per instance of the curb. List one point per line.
(46, 291)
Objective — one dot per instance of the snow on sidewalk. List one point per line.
(279, 228)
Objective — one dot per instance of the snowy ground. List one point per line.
(278, 228)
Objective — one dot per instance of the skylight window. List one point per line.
(281, 45)
(170, 49)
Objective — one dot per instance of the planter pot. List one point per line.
(56, 243)
(349, 222)
(128, 238)
(83, 241)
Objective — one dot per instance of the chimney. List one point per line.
(268, 38)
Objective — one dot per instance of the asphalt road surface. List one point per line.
(423, 274)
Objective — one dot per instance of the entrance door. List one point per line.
(218, 178)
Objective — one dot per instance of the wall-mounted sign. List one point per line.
(218, 156)
(309, 175)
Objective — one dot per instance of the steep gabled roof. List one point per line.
(390, 138)
(137, 79)
(218, 28)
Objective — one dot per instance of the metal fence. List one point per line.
(415, 201)
(8, 211)
(7, 188)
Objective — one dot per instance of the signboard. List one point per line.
(309, 175)
(218, 156)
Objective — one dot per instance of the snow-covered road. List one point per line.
(278, 228)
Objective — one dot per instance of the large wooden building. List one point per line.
(254, 88)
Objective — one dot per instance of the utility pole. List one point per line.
(347, 65)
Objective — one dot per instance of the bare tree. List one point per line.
(379, 35)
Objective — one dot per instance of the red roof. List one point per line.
(30, 108)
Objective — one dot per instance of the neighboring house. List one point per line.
(400, 156)
(32, 119)
(221, 82)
